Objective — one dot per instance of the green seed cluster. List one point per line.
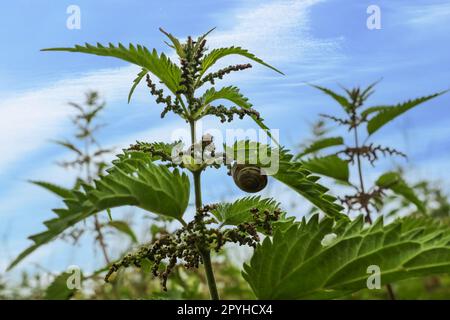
(187, 243)
(211, 77)
(159, 94)
(247, 233)
(168, 247)
(191, 64)
(191, 59)
(227, 114)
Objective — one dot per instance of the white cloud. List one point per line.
(29, 119)
(418, 15)
(426, 14)
(278, 30)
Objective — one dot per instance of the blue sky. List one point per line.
(320, 41)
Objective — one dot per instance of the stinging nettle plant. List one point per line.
(336, 165)
(87, 160)
(293, 261)
(355, 151)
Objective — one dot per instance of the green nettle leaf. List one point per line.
(233, 94)
(58, 290)
(132, 180)
(330, 166)
(239, 211)
(136, 81)
(53, 188)
(394, 182)
(385, 114)
(337, 97)
(159, 65)
(296, 176)
(135, 179)
(123, 227)
(370, 110)
(251, 152)
(216, 54)
(321, 144)
(175, 43)
(108, 211)
(323, 260)
(230, 93)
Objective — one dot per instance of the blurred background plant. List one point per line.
(337, 157)
(89, 161)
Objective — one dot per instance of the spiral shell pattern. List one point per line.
(249, 178)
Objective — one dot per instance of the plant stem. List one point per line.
(389, 289)
(100, 238)
(89, 178)
(198, 190)
(390, 292)
(206, 257)
(358, 160)
(205, 253)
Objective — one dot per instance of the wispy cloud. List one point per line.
(279, 30)
(425, 15)
(29, 119)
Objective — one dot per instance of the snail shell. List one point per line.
(249, 178)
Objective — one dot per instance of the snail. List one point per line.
(249, 177)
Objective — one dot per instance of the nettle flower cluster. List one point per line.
(186, 244)
(191, 56)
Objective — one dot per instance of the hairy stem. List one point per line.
(206, 254)
(389, 289)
